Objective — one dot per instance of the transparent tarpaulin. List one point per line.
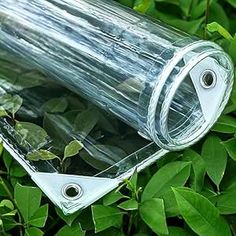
(128, 88)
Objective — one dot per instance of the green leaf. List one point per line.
(39, 217)
(215, 27)
(210, 194)
(232, 3)
(3, 112)
(31, 135)
(198, 167)
(74, 230)
(226, 201)
(153, 214)
(231, 50)
(86, 121)
(55, 105)
(168, 157)
(233, 93)
(69, 219)
(86, 220)
(112, 197)
(11, 103)
(185, 6)
(132, 182)
(200, 214)
(171, 208)
(16, 170)
(29, 79)
(59, 129)
(231, 107)
(229, 177)
(230, 146)
(105, 217)
(189, 26)
(7, 203)
(102, 156)
(28, 200)
(41, 154)
(199, 9)
(173, 174)
(215, 157)
(8, 223)
(11, 213)
(17, 102)
(3, 183)
(217, 13)
(1, 148)
(93, 161)
(108, 123)
(226, 124)
(16, 76)
(72, 149)
(142, 6)
(7, 158)
(129, 205)
(33, 232)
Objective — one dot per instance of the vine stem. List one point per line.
(13, 201)
(206, 18)
(130, 224)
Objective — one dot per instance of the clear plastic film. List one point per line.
(121, 84)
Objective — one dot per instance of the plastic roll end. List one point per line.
(191, 94)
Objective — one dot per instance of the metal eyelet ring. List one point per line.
(208, 79)
(72, 191)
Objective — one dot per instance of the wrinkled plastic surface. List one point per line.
(109, 55)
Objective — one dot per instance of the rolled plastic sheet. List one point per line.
(138, 86)
(155, 78)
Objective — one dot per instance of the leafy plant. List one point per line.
(186, 193)
(25, 206)
(72, 149)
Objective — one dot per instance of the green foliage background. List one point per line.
(192, 192)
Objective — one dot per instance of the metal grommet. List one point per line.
(208, 79)
(72, 191)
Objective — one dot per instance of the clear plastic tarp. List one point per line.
(90, 90)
